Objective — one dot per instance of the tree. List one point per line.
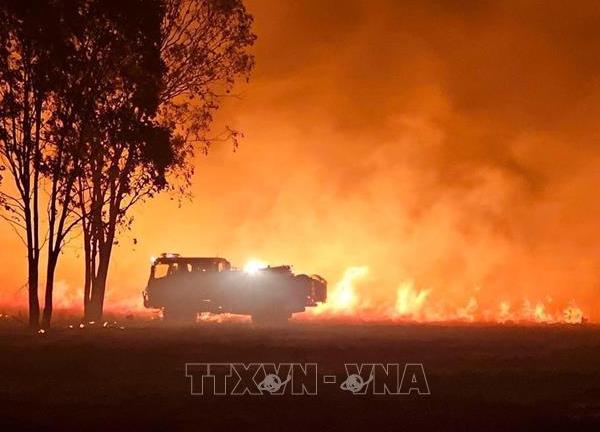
(75, 75)
(68, 124)
(128, 151)
(204, 45)
(203, 48)
(60, 166)
(29, 38)
(103, 103)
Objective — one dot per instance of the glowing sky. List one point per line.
(449, 145)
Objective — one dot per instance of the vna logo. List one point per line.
(385, 379)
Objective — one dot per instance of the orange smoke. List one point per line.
(448, 150)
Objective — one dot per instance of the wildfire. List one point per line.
(421, 305)
(343, 298)
(349, 299)
(409, 301)
(573, 315)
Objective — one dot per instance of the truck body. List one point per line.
(182, 287)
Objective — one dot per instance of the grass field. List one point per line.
(480, 377)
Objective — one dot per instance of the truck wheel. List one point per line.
(179, 315)
(274, 317)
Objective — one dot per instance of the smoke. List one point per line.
(453, 146)
(448, 147)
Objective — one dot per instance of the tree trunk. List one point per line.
(89, 274)
(35, 210)
(32, 272)
(87, 284)
(32, 283)
(96, 307)
(101, 249)
(48, 306)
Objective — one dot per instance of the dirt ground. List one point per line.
(480, 377)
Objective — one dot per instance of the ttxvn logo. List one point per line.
(259, 379)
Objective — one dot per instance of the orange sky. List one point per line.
(454, 146)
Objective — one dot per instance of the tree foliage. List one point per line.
(32, 49)
(204, 45)
(202, 48)
(102, 105)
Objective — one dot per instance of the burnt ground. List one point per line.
(487, 378)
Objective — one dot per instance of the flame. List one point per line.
(504, 312)
(409, 301)
(573, 315)
(468, 312)
(346, 302)
(422, 305)
(342, 299)
(540, 313)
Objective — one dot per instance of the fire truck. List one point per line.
(182, 287)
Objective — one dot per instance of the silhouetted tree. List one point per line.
(104, 103)
(30, 39)
(79, 91)
(204, 44)
(61, 165)
(69, 126)
(203, 47)
(128, 150)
